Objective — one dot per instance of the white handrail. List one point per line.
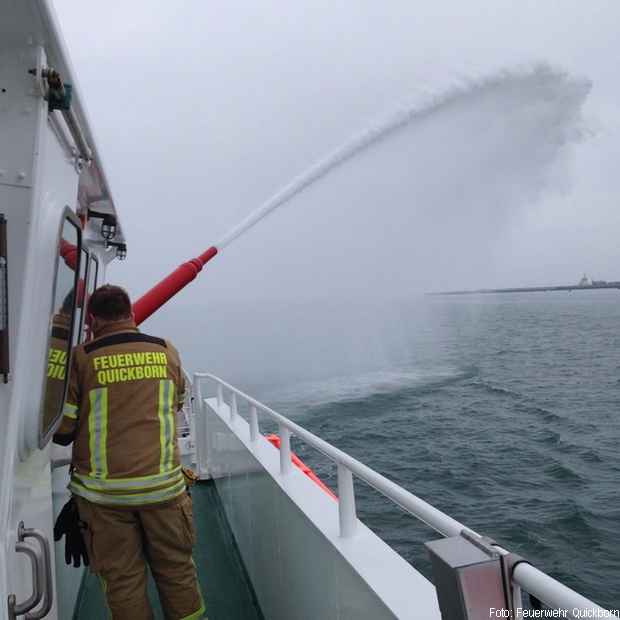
(553, 593)
(542, 586)
(437, 520)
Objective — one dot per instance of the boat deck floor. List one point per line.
(225, 586)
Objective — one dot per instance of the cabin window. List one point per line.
(4, 303)
(62, 323)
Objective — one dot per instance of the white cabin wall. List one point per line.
(39, 182)
(18, 130)
(20, 114)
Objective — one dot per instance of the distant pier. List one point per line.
(535, 289)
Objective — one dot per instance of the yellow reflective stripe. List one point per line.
(172, 423)
(104, 589)
(165, 411)
(162, 477)
(127, 484)
(70, 411)
(91, 429)
(134, 499)
(200, 612)
(196, 614)
(160, 415)
(98, 432)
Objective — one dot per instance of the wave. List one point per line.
(564, 473)
(590, 455)
(520, 401)
(544, 435)
(575, 521)
(541, 412)
(496, 389)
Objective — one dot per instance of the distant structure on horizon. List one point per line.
(584, 284)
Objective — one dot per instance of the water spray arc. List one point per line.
(546, 82)
(185, 273)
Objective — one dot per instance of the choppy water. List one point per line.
(504, 412)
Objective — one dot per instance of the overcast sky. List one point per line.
(203, 110)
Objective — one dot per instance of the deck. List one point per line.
(224, 582)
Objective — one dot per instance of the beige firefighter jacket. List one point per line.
(124, 390)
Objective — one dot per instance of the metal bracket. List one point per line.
(484, 543)
(79, 163)
(509, 561)
(57, 93)
(513, 591)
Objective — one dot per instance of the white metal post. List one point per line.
(233, 407)
(191, 413)
(253, 423)
(199, 431)
(285, 449)
(220, 397)
(346, 502)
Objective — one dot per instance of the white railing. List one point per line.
(525, 576)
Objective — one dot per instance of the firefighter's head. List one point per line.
(108, 304)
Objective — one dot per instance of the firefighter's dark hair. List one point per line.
(110, 303)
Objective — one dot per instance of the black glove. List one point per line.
(69, 525)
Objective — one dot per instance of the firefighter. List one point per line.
(129, 497)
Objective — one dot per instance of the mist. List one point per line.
(507, 179)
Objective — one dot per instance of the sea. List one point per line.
(502, 411)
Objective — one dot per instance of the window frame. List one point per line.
(93, 263)
(5, 362)
(94, 259)
(44, 435)
(85, 253)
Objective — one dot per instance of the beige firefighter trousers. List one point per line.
(120, 543)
